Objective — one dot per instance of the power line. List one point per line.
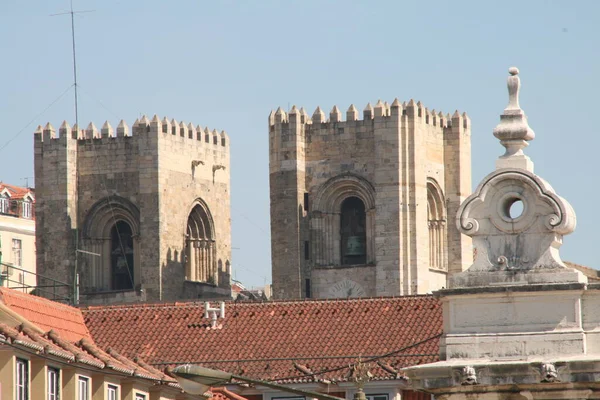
(36, 117)
(399, 352)
(368, 360)
(98, 101)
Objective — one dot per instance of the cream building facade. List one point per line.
(146, 210)
(359, 206)
(518, 323)
(17, 237)
(46, 352)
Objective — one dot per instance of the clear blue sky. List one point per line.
(226, 64)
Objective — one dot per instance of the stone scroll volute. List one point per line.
(522, 239)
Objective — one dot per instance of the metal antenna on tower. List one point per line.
(26, 179)
(72, 13)
(77, 250)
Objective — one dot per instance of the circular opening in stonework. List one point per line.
(514, 208)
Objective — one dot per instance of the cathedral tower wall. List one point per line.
(149, 178)
(390, 159)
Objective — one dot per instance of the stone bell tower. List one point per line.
(518, 323)
(133, 215)
(359, 206)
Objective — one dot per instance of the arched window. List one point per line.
(111, 241)
(201, 249)
(342, 226)
(353, 233)
(436, 220)
(121, 256)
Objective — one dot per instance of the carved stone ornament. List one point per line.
(516, 220)
(549, 373)
(468, 376)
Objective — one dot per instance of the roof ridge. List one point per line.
(195, 303)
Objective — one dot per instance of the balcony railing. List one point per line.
(46, 287)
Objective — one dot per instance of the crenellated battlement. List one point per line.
(142, 127)
(381, 110)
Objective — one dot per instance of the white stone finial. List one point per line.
(513, 130)
(513, 89)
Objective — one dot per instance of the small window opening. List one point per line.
(353, 232)
(122, 256)
(306, 250)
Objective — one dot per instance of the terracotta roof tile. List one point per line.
(268, 340)
(221, 393)
(16, 192)
(46, 314)
(84, 352)
(58, 330)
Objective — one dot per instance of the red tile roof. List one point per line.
(291, 341)
(16, 192)
(57, 330)
(221, 393)
(591, 273)
(47, 314)
(16, 205)
(82, 352)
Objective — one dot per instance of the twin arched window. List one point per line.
(436, 221)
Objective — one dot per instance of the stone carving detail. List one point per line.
(507, 241)
(549, 373)
(468, 376)
(510, 240)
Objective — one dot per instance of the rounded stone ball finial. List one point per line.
(513, 71)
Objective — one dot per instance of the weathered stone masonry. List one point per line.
(405, 169)
(166, 184)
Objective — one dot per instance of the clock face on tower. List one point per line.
(346, 288)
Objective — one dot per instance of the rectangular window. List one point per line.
(53, 384)
(22, 388)
(305, 201)
(139, 396)
(84, 388)
(377, 396)
(26, 209)
(289, 398)
(112, 392)
(307, 288)
(16, 249)
(306, 250)
(4, 205)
